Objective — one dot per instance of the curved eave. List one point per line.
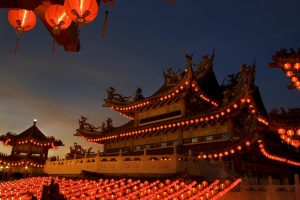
(165, 93)
(219, 113)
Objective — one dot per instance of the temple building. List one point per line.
(29, 152)
(192, 125)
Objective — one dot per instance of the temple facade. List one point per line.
(192, 125)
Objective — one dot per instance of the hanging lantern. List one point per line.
(21, 20)
(287, 66)
(57, 18)
(81, 11)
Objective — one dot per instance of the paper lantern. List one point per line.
(57, 18)
(21, 20)
(81, 11)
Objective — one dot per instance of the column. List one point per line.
(297, 187)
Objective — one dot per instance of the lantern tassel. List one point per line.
(17, 46)
(171, 2)
(104, 28)
(53, 45)
(77, 38)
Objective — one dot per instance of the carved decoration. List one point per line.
(114, 96)
(189, 59)
(85, 126)
(107, 125)
(171, 76)
(138, 94)
(204, 66)
(78, 150)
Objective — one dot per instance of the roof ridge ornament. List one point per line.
(34, 121)
(189, 60)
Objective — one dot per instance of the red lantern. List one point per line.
(289, 74)
(57, 18)
(287, 66)
(290, 132)
(21, 19)
(81, 11)
(297, 66)
(294, 79)
(281, 131)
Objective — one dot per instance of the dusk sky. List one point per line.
(144, 37)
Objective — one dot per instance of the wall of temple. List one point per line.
(218, 132)
(135, 165)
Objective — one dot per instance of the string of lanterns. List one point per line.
(274, 157)
(185, 85)
(292, 71)
(117, 189)
(288, 136)
(7, 161)
(57, 16)
(226, 152)
(50, 145)
(204, 119)
(222, 193)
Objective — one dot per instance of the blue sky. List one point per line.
(144, 37)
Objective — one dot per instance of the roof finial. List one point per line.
(189, 59)
(34, 122)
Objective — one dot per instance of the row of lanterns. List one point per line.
(274, 157)
(291, 72)
(181, 123)
(168, 96)
(21, 163)
(289, 136)
(59, 17)
(118, 189)
(225, 153)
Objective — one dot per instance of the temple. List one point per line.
(29, 151)
(192, 125)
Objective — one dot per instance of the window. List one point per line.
(209, 138)
(175, 143)
(139, 147)
(148, 146)
(194, 140)
(163, 144)
(225, 136)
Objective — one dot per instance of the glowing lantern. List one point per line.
(57, 18)
(21, 20)
(81, 11)
(281, 131)
(290, 132)
(298, 132)
(287, 66)
(289, 74)
(297, 66)
(294, 79)
(297, 83)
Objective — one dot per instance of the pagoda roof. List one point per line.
(244, 95)
(33, 136)
(198, 79)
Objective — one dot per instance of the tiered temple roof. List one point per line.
(205, 99)
(29, 147)
(207, 104)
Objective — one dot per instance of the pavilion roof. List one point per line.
(33, 136)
